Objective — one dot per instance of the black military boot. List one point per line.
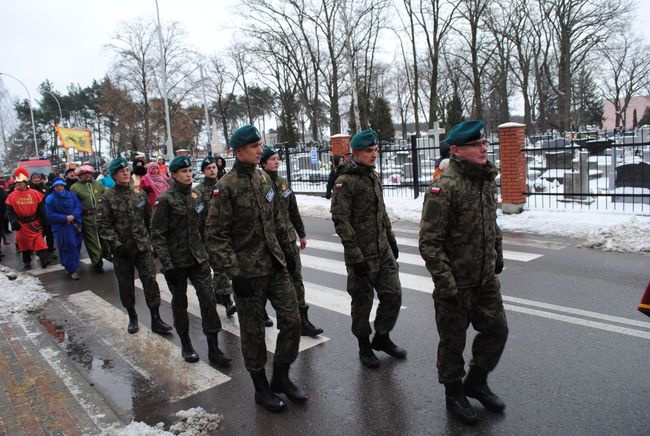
(306, 327)
(215, 355)
(133, 320)
(366, 354)
(281, 384)
(99, 267)
(475, 385)
(157, 324)
(383, 343)
(229, 305)
(264, 396)
(458, 405)
(187, 351)
(44, 258)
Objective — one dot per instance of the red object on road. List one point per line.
(644, 305)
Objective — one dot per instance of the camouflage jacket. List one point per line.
(288, 206)
(245, 231)
(460, 240)
(206, 188)
(359, 213)
(88, 193)
(123, 218)
(176, 228)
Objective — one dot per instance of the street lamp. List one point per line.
(31, 111)
(170, 146)
(57, 103)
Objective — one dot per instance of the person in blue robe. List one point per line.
(63, 210)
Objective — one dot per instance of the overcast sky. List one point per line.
(63, 40)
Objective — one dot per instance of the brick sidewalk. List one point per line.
(37, 396)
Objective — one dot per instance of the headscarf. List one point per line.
(61, 201)
(158, 183)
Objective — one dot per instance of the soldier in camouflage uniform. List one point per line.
(248, 238)
(176, 237)
(460, 243)
(370, 248)
(270, 161)
(89, 191)
(123, 219)
(220, 281)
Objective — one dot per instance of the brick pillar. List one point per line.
(513, 167)
(340, 145)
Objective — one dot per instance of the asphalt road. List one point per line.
(576, 361)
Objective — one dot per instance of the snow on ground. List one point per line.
(194, 421)
(21, 293)
(601, 229)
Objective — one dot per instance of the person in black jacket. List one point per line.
(336, 162)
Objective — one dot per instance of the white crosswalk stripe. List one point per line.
(160, 356)
(231, 324)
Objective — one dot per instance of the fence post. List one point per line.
(288, 163)
(416, 170)
(512, 138)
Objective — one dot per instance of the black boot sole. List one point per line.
(489, 405)
(191, 359)
(161, 331)
(275, 408)
(133, 330)
(311, 333)
(292, 398)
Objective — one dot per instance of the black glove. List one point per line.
(15, 225)
(171, 276)
(291, 264)
(361, 268)
(123, 251)
(498, 267)
(393, 248)
(242, 286)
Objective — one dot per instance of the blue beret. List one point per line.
(465, 132)
(267, 153)
(179, 162)
(117, 164)
(364, 139)
(244, 135)
(207, 161)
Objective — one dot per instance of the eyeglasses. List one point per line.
(479, 143)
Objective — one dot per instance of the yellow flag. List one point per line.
(75, 138)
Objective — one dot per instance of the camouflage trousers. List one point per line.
(483, 308)
(124, 268)
(91, 238)
(384, 278)
(221, 284)
(278, 289)
(200, 277)
(296, 277)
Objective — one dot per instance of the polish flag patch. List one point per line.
(215, 192)
(435, 190)
(339, 185)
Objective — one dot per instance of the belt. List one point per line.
(28, 219)
(89, 212)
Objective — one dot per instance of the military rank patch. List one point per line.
(339, 185)
(287, 193)
(270, 195)
(140, 204)
(215, 192)
(435, 190)
(199, 208)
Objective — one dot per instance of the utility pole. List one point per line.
(205, 107)
(170, 146)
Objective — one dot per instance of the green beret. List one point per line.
(267, 153)
(207, 161)
(244, 135)
(364, 139)
(117, 164)
(179, 162)
(467, 131)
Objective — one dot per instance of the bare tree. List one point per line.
(221, 85)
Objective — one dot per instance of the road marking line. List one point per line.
(41, 271)
(519, 256)
(145, 349)
(579, 321)
(422, 284)
(231, 324)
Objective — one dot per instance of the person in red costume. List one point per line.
(25, 211)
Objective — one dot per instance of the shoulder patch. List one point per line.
(136, 190)
(194, 195)
(215, 192)
(435, 189)
(339, 185)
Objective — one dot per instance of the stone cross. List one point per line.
(436, 132)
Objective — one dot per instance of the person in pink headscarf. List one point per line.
(154, 183)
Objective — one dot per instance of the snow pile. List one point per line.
(196, 421)
(314, 206)
(192, 422)
(21, 293)
(631, 236)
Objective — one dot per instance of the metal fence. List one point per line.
(603, 172)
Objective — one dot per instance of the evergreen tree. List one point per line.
(454, 111)
(381, 120)
(645, 119)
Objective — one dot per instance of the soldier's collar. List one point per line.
(244, 168)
